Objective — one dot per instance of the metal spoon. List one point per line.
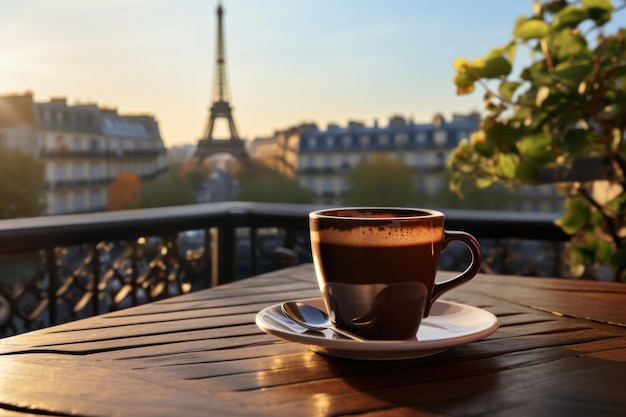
(313, 318)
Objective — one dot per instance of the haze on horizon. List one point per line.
(316, 61)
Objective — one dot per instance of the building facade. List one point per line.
(326, 157)
(83, 148)
(322, 159)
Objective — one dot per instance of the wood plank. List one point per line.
(54, 385)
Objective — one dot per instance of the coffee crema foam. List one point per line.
(378, 236)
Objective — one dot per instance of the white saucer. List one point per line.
(449, 324)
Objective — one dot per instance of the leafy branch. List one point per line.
(567, 104)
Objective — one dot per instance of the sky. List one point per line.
(287, 61)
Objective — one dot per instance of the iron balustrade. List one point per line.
(87, 264)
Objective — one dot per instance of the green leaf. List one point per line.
(603, 251)
(593, 252)
(519, 22)
(537, 74)
(617, 204)
(485, 149)
(573, 72)
(599, 10)
(529, 172)
(569, 44)
(496, 67)
(463, 81)
(484, 182)
(577, 215)
(598, 4)
(460, 64)
(535, 145)
(575, 141)
(507, 164)
(531, 29)
(586, 251)
(507, 89)
(570, 17)
(507, 51)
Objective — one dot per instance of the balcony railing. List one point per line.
(60, 268)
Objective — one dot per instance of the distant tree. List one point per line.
(21, 185)
(193, 173)
(123, 191)
(171, 190)
(380, 180)
(261, 184)
(496, 197)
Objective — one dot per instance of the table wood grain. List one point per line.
(560, 350)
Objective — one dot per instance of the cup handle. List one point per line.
(471, 271)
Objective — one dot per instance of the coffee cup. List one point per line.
(376, 267)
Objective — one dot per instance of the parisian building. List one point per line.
(321, 159)
(83, 148)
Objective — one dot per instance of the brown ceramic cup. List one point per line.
(376, 267)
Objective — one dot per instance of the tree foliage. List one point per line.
(123, 191)
(193, 173)
(568, 102)
(173, 189)
(21, 185)
(496, 197)
(261, 184)
(380, 180)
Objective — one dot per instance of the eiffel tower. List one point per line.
(220, 108)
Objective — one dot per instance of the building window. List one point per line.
(421, 138)
(94, 201)
(94, 173)
(401, 139)
(93, 145)
(383, 140)
(420, 161)
(78, 203)
(59, 144)
(346, 141)
(59, 173)
(328, 186)
(460, 135)
(328, 163)
(59, 204)
(364, 140)
(305, 163)
(77, 144)
(47, 116)
(330, 141)
(441, 160)
(440, 137)
(312, 142)
(78, 172)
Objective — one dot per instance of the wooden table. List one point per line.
(560, 350)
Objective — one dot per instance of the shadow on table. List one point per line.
(432, 383)
(466, 381)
